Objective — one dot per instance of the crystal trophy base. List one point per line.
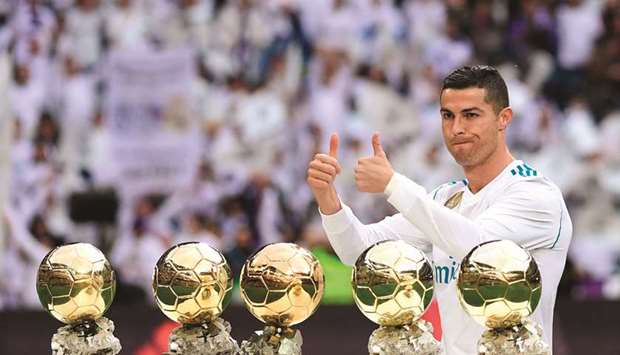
(525, 339)
(208, 338)
(416, 338)
(273, 341)
(87, 338)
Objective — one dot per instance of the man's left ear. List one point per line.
(505, 117)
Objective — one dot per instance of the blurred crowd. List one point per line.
(276, 77)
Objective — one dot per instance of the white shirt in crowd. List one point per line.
(447, 54)
(427, 19)
(82, 38)
(519, 205)
(27, 103)
(19, 269)
(126, 27)
(578, 28)
(610, 134)
(32, 24)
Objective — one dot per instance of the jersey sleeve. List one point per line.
(350, 237)
(528, 213)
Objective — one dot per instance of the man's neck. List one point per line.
(479, 176)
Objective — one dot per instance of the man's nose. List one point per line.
(458, 126)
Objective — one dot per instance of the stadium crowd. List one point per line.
(276, 77)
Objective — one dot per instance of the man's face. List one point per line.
(471, 127)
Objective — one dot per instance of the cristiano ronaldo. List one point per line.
(500, 198)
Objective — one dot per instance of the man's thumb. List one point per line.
(376, 146)
(333, 145)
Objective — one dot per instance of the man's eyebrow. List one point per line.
(469, 109)
(443, 109)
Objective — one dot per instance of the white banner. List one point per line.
(154, 136)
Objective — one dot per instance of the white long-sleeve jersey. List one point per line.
(519, 204)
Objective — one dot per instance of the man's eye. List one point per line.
(471, 115)
(446, 116)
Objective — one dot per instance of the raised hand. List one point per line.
(373, 173)
(322, 172)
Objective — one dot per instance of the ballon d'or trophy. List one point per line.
(499, 286)
(393, 286)
(76, 285)
(192, 283)
(281, 285)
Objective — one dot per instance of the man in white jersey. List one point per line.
(501, 198)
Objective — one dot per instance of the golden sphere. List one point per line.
(192, 283)
(392, 283)
(499, 284)
(282, 284)
(76, 283)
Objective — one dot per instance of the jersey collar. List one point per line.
(470, 196)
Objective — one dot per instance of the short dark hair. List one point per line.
(480, 76)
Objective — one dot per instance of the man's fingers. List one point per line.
(320, 175)
(329, 160)
(333, 145)
(326, 158)
(376, 145)
(323, 167)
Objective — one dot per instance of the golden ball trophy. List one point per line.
(393, 286)
(193, 284)
(499, 286)
(76, 285)
(281, 285)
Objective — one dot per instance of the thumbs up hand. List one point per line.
(373, 173)
(322, 172)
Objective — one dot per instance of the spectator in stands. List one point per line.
(275, 78)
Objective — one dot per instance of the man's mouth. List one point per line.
(461, 142)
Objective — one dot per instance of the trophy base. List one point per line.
(86, 338)
(273, 341)
(416, 338)
(524, 339)
(207, 338)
